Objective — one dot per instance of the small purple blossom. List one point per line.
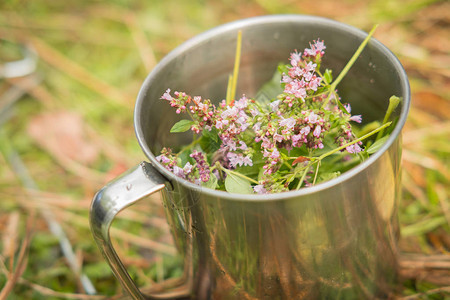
(317, 131)
(167, 96)
(237, 159)
(202, 165)
(274, 105)
(353, 148)
(259, 189)
(356, 118)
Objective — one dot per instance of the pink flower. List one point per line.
(229, 144)
(241, 103)
(319, 45)
(296, 138)
(230, 112)
(353, 148)
(288, 123)
(163, 159)
(242, 146)
(274, 105)
(259, 189)
(295, 58)
(314, 83)
(178, 171)
(239, 159)
(266, 143)
(257, 126)
(277, 137)
(167, 96)
(317, 131)
(305, 130)
(312, 118)
(356, 118)
(254, 112)
(316, 48)
(286, 79)
(188, 168)
(275, 154)
(310, 66)
(348, 108)
(202, 165)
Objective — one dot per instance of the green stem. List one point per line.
(234, 78)
(350, 63)
(354, 141)
(354, 58)
(394, 101)
(219, 166)
(317, 171)
(299, 185)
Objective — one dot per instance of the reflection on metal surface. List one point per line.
(335, 240)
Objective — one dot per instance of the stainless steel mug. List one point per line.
(335, 240)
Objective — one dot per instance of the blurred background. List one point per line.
(69, 75)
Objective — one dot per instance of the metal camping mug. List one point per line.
(334, 240)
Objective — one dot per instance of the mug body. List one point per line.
(333, 240)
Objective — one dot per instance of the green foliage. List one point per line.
(237, 185)
(181, 126)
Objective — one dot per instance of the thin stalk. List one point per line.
(299, 185)
(353, 59)
(354, 141)
(237, 61)
(317, 171)
(350, 63)
(219, 166)
(394, 101)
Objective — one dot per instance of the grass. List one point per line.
(67, 129)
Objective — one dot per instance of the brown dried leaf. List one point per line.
(299, 159)
(10, 236)
(63, 135)
(432, 103)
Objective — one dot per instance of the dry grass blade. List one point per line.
(426, 161)
(21, 262)
(10, 238)
(60, 295)
(442, 290)
(443, 201)
(71, 68)
(145, 49)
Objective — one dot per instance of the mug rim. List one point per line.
(406, 98)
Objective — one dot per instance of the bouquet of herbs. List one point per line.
(296, 133)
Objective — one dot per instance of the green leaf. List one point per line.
(328, 176)
(209, 145)
(237, 185)
(211, 183)
(377, 145)
(181, 126)
(212, 134)
(270, 90)
(328, 76)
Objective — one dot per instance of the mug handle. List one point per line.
(130, 187)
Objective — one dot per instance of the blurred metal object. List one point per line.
(26, 68)
(22, 67)
(333, 240)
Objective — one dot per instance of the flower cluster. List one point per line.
(274, 147)
(202, 111)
